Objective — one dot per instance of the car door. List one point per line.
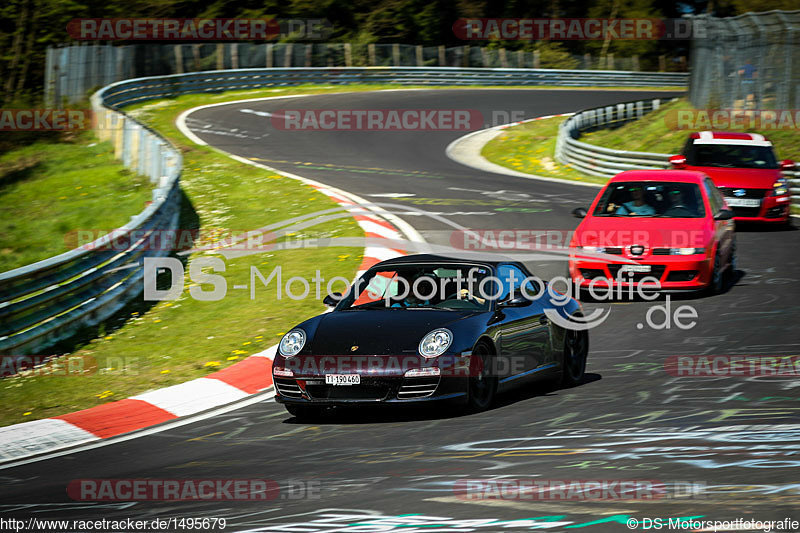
(523, 330)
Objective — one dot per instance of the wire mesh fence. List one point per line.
(73, 72)
(751, 61)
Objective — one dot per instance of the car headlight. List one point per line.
(686, 251)
(780, 187)
(292, 343)
(435, 343)
(593, 249)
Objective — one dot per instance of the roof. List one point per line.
(432, 258)
(729, 137)
(684, 176)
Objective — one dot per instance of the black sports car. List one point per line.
(424, 328)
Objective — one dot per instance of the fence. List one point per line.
(607, 162)
(749, 61)
(51, 300)
(72, 72)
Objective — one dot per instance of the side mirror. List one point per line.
(724, 214)
(579, 212)
(519, 301)
(677, 161)
(787, 165)
(332, 300)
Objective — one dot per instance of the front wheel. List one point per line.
(576, 349)
(716, 284)
(482, 382)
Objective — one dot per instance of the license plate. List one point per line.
(342, 379)
(743, 202)
(635, 268)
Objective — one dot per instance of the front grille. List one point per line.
(592, 273)
(288, 387)
(661, 251)
(746, 211)
(748, 193)
(682, 275)
(614, 251)
(318, 390)
(418, 387)
(656, 271)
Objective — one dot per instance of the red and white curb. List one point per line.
(228, 386)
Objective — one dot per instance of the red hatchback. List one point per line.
(744, 167)
(665, 229)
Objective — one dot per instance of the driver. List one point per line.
(637, 206)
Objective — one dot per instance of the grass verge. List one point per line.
(59, 185)
(530, 147)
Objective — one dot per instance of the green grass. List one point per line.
(530, 148)
(654, 133)
(50, 188)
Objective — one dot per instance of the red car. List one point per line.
(744, 167)
(669, 226)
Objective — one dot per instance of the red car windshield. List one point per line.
(730, 156)
(651, 199)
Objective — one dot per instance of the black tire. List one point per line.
(303, 413)
(732, 262)
(483, 386)
(717, 282)
(576, 350)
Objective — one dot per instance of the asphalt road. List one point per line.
(734, 441)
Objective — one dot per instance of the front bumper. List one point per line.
(387, 385)
(673, 273)
(772, 210)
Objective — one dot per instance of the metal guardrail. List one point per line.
(606, 162)
(49, 301)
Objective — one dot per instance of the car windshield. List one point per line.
(651, 199)
(410, 287)
(730, 156)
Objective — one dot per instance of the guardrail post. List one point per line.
(348, 55)
(308, 55)
(127, 143)
(268, 54)
(396, 55)
(220, 56)
(119, 135)
(442, 56)
(371, 54)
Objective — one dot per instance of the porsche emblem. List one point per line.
(353, 348)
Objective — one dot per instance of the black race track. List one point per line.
(736, 439)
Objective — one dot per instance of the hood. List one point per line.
(649, 232)
(745, 178)
(378, 332)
